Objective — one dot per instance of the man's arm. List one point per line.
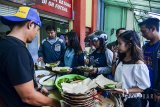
(104, 70)
(30, 96)
(20, 75)
(157, 84)
(109, 58)
(40, 53)
(157, 81)
(63, 47)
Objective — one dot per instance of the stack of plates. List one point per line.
(79, 100)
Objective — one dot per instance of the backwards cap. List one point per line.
(23, 14)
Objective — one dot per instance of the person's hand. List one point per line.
(156, 98)
(94, 71)
(86, 61)
(114, 49)
(115, 52)
(44, 91)
(118, 91)
(40, 59)
(69, 71)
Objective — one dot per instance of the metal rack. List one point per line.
(142, 8)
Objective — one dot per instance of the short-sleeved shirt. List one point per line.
(132, 75)
(148, 57)
(16, 67)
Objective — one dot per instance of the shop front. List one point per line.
(52, 12)
(56, 12)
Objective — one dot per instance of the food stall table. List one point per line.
(105, 102)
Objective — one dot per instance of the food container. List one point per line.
(49, 84)
(40, 74)
(67, 78)
(79, 100)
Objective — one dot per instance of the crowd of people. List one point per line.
(124, 61)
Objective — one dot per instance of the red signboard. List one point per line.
(59, 7)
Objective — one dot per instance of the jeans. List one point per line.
(151, 101)
(133, 102)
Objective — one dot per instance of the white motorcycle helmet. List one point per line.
(104, 37)
(98, 35)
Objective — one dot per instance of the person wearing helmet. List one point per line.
(101, 58)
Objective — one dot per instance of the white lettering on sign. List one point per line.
(51, 4)
(61, 1)
(65, 3)
(61, 7)
(44, 1)
(58, 4)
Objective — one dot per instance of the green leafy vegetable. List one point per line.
(67, 80)
(110, 86)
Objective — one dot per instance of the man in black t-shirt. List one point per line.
(17, 84)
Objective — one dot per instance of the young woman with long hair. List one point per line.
(131, 70)
(74, 55)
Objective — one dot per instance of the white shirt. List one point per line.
(132, 75)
